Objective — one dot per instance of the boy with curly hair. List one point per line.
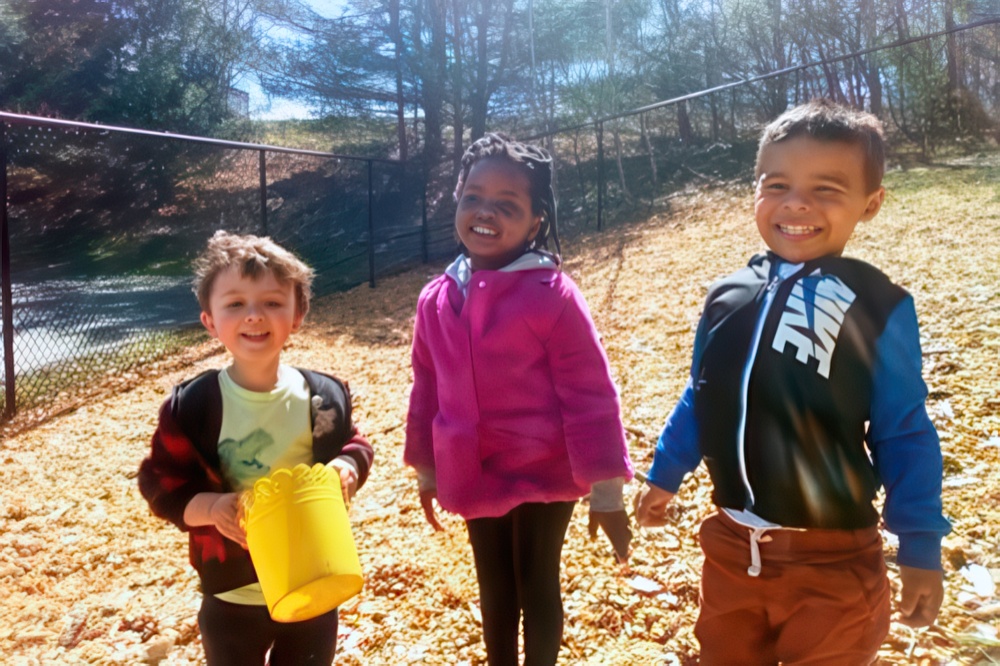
(224, 429)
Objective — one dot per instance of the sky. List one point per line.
(263, 108)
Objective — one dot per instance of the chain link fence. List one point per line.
(100, 226)
(630, 164)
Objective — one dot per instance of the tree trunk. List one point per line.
(777, 88)
(618, 160)
(480, 96)
(869, 67)
(684, 129)
(616, 135)
(951, 51)
(579, 174)
(434, 79)
(532, 99)
(397, 38)
(457, 87)
(953, 101)
(643, 130)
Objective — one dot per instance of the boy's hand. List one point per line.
(615, 525)
(348, 479)
(225, 515)
(923, 592)
(223, 511)
(651, 506)
(427, 498)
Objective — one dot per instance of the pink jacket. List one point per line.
(512, 399)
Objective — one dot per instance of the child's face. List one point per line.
(494, 219)
(252, 318)
(810, 195)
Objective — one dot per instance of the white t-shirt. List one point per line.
(262, 432)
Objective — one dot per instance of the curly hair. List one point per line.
(254, 256)
(537, 166)
(825, 120)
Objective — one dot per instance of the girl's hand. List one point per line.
(615, 525)
(225, 515)
(427, 499)
(651, 506)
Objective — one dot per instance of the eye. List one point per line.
(275, 304)
(234, 304)
(775, 186)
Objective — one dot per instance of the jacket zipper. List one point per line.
(745, 386)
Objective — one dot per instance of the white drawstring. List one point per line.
(756, 535)
(758, 528)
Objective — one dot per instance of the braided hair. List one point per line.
(537, 166)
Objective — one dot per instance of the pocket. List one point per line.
(869, 569)
(508, 449)
(456, 453)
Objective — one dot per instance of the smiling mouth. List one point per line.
(797, 230)
(484, 231)
(255, 336)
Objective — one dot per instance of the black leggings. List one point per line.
(517, 565)
(241, 635)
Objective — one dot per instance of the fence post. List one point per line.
(263, 191)
(600, 176)
(7, 298)
(371, 228)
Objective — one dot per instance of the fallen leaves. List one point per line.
(88, 576)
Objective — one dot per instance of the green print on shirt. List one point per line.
(239, 458)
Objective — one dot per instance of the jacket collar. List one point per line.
(460, 270)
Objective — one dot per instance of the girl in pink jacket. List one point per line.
(513, 415)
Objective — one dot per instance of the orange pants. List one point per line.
(821, 597)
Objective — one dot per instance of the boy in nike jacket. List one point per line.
(224, 429)
(805, 396)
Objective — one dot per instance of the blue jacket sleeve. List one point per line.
(677, 453)
(905, 448)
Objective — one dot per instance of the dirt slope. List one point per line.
(87, 576)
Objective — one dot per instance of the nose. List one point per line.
(485, 210)
(253, 313)
(795, 200)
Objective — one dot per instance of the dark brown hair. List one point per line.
(825, 120)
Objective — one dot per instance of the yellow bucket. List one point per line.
(300, 542)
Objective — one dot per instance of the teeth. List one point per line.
(797, 230)
(484, 231)
(255, 335)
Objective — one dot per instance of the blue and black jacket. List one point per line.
(805, 397)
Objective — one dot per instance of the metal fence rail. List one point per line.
(98, 226)
(628, 161)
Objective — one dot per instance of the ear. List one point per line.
(875, 201)
(297, 321)
(534, 228)
(209, 324)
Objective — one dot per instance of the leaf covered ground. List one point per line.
(88, 576)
